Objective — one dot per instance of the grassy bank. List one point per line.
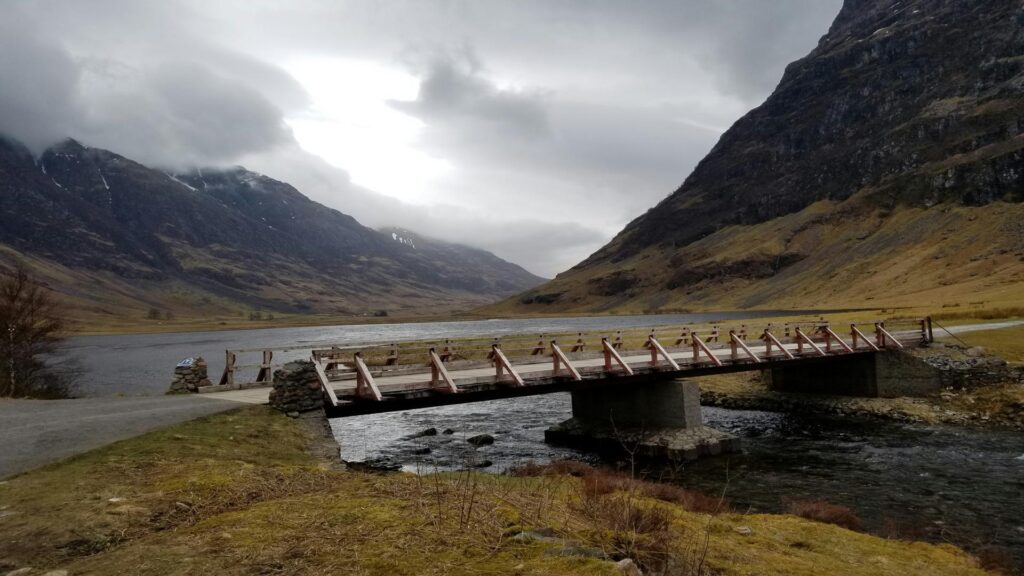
(996, 406)
(244, 493)
(1007, 343)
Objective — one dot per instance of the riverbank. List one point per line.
(251, 491)
(1000, 406)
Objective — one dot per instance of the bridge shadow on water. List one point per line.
(926, 482)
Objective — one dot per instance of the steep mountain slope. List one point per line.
(120, 238)
(887, 166)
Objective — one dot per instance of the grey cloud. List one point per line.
(38, 81)
(67, 73)
(562, 120)
(180, 114)
(454, 90)
(543, 247)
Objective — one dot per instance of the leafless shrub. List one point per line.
(31, 328)
(821, 511)
(601, 481)
(997, 559)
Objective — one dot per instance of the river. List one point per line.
(938, 483)
(941, 483)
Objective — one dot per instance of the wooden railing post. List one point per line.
(365, 386)
(617, 343)
(266, 367)
(657, 348)
(579, 345)
(802, 337)
(610, 353)
(501, 364)
(559, 358)
(438, 372)
(857, 334)
(228, 377)
(325, 384)
(540, 348)
(738, 342)
(771, 338)
(732, 345)
(700, 346)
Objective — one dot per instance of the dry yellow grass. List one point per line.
(918, 261)
(1007, 343)
(240, 493)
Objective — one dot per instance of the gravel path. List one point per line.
(38, 432)
(979, 327)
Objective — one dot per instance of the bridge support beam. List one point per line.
(659, 420)
(886, 374)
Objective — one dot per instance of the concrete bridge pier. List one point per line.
(654, 420)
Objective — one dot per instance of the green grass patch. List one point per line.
(242, 493)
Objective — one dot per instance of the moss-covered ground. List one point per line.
(244, 493)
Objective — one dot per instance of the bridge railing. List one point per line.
(393, 358)
(412, 355)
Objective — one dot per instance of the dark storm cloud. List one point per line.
(179, 113)
(192, 105)
(38, 84)
(562, 120)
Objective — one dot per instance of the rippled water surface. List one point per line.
(939, 483)
(140, 364)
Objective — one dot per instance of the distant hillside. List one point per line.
(122, 239)
(887, 168)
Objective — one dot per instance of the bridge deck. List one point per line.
(351, 387)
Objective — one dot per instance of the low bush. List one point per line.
(822, 511)
(601, 481)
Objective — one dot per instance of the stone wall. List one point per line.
(961, 367)
(189, 375)
(296, 388)
(894, 373)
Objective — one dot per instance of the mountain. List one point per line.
(120, 239)
(887, 168)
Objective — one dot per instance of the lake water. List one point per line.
(143, 364)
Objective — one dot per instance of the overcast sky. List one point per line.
(536, 130)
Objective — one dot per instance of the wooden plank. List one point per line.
(228, 376)
(438, 370)
(801, 336)
(325, 383)
(610, 353)
(769, 337)
(699, 345)
(885, 333)
(838, 339)
(501, 362)
(857, 333)
(559, 358)
(737, 341)
(364, 380)
(656, 349)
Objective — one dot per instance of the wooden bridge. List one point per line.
(382, 378)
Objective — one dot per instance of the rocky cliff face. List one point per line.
(904, 105)
(220, 234)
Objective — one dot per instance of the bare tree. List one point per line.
(32, 328)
